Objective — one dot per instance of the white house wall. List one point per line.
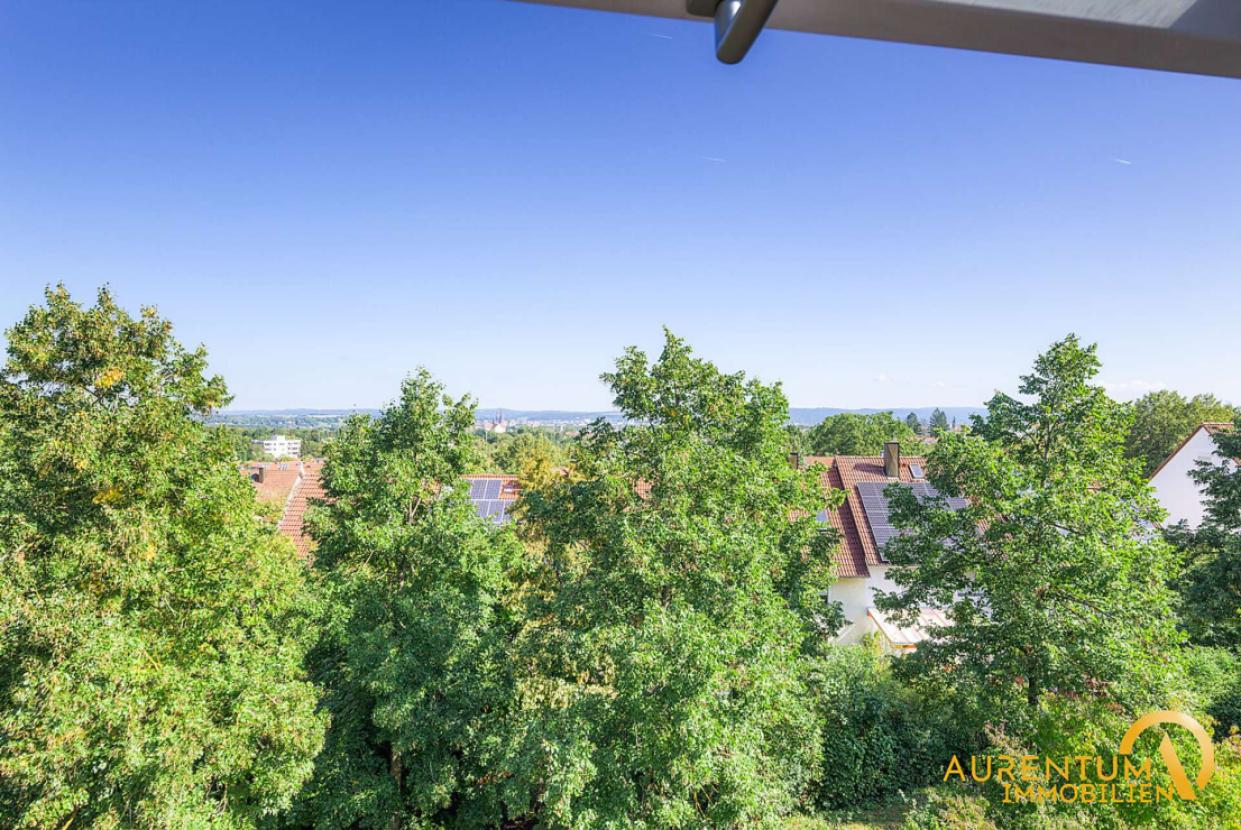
(854, 598)
(1179, 494)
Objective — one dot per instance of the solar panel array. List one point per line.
(879, 514)
(485, 488)
(485, 493)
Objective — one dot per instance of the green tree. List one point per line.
(152, 629)
(682, 600)
(938, 423)
(914, 422)
(530, 450)
(852, 434)
(1163, 419)
(1211, 583)
(1050, 577)
(420, 604)
(798, 438)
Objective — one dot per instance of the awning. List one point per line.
(1197, 36)
(907, 637)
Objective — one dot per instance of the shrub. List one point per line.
(1075, 727)
(950, 808)
(879, 736)
(1213, 677)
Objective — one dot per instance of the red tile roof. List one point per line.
(309, 487)
(290, 484)
(273, 480)
(857, 551)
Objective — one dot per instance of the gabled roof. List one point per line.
(857, 551)
(273, 480)
(292, 522)
(493, 500)
(298, 483)
(1211, 427)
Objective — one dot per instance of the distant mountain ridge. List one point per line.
(803, 416)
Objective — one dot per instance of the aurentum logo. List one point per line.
(1091, 779)
(1168, 752)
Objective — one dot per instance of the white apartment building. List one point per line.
(279, 446)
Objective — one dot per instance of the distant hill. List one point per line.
(804, 416)
(808, 416)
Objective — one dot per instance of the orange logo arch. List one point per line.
(1168, 752)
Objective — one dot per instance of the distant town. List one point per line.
(500, 419)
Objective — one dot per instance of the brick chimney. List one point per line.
(892, 459)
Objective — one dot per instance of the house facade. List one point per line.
(862, 525)
(1176, 490)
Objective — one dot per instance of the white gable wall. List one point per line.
(1179, 494)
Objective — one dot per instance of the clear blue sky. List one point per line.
(328, 195)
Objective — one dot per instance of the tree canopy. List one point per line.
(420, 608)
(850, 433)
(672, 649)
(1050, 576)
(152, 629)
(1163, 419)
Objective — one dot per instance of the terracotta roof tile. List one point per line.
(857, 550)
(291, 484)
(273, 480)
(309, 488)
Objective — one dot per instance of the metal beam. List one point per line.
(738, 23)
(1196, 36)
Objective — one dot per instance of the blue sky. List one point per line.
(328, 195)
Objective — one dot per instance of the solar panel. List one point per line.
(477, 486)
(492, 490)
(879, 513)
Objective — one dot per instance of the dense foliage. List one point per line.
(1163, 419)
(646, 647)
(852, 434)
(529, 452)
(151, 629)
(880, 736)
(671, 651)
(1050, 576)
(420, 596)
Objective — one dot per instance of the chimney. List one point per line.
(795, 460)
(258, 474)
(892, 459)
